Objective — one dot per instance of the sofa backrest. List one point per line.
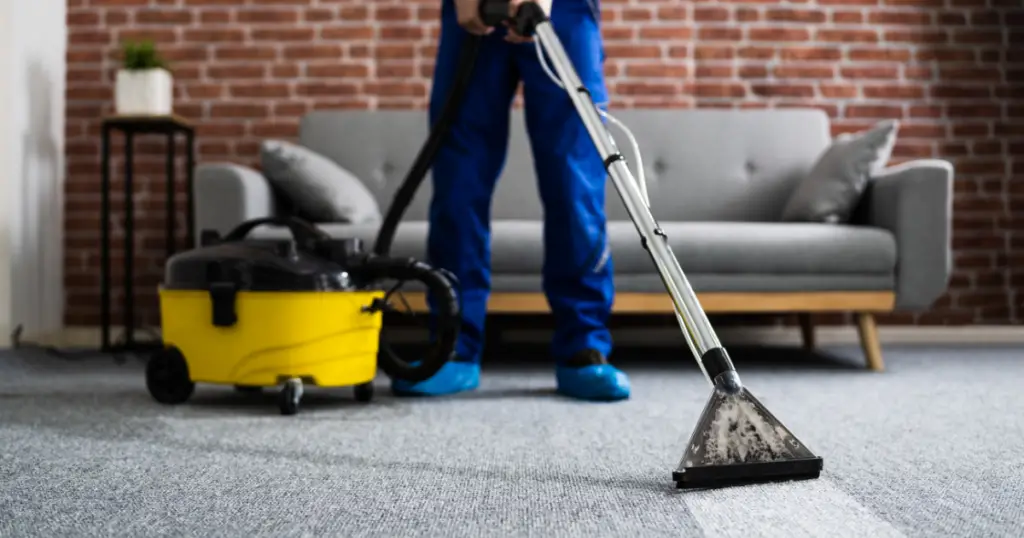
(701, 164)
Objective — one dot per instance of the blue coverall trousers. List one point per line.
(577, 268)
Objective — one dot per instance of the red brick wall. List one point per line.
(951, 70)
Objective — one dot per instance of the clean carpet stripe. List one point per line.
(812, 508)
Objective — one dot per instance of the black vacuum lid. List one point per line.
(254, 265)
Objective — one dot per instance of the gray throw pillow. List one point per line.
(833, 187)
(318, 189)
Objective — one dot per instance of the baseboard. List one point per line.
(80, 337)
(89, 337)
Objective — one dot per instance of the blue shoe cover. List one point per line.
(452, 378)
(596, 382)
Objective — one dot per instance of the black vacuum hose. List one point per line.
(446, 321)
(450, 110)
(493, 13)
(438, 284)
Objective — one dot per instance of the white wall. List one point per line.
(32, 67)
(6, 168)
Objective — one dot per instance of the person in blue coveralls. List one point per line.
(577, 272)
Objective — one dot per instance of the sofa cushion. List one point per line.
(763, 248)
(832, 189)
(317, 188)
(701, 247)
(715, 282)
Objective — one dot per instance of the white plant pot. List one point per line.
(144, 92)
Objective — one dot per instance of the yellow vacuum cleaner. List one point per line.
(268, 313)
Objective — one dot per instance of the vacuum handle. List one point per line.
(304, 233)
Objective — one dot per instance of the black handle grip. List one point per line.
(528, 15)
(494, 12)
(304, 233)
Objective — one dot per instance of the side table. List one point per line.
(169, 126)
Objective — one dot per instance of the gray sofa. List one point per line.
(718, 181)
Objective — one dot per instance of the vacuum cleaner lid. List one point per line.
(255, 265)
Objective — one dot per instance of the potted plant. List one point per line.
(144, 84)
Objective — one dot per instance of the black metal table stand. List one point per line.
(169, 126)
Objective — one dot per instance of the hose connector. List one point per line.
(527, 17)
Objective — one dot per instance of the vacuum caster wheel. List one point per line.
(167, 377)
(248, 389)
(290, 397)
(364, 392)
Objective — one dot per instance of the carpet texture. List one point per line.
(932, 447)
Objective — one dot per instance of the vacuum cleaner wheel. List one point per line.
(364, 392)
(290, 396)
(167, 377)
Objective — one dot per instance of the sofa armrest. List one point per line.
(914, 201)
(228, 194)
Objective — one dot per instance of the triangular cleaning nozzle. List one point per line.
(738, 441)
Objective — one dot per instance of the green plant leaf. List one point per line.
(140, 55)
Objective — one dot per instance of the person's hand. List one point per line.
(468, 14)
(512, 36)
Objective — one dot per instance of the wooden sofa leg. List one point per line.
(869, 341)
(807, 331)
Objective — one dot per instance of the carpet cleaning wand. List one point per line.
(737, 440)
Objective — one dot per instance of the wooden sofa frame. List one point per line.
(864, 303)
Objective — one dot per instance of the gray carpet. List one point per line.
(933, 447)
